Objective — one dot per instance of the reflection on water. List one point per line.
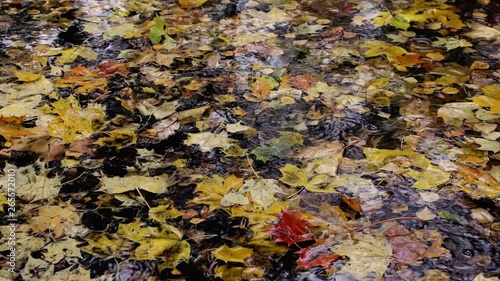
(44, 23)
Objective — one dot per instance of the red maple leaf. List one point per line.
(291, 229)
(318, 255)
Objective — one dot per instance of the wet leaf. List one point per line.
(232, 254)
(208, 141)
(277, 147)
(368, 255)
(261, 191)
(12, 127)
(118, 138)
(293, 176)
(291, 229)
(73, 123)
(52, 218)
(84, 80)
(316, 256)
(487, 144)
(158, 184)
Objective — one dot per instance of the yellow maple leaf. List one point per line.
(234, 254)
(73, 123)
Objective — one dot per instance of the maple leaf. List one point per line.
(157, 184)
(302, 82)
(368, 256)
(110, 68)
(84, 79)
(72, 122)
(291, 229)
(118, 138)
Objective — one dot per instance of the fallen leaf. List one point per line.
(370, 255)
(233, 254)
(208, 141)
(291, 229)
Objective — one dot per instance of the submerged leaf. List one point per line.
(278, 146)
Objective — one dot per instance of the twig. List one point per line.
(251, 167)
(140, 194)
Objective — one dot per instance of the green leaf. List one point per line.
(278, 146)
(157, 32)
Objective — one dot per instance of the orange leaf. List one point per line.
(302, 82)
(353, 203)
(261, 89)
(109, 68)
(84, 79)
(11, 127)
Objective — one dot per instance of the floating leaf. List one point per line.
(369, 256)
(278, 146)
(293, 176)
(291, 229)
(158, 184)
(318, 255)
(72, 122)
(208, 141)
(234, 254)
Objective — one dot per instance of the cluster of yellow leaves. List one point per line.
(72, 122)
(396, 55)
(425, 14)
(401, 161)
(162, 243)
